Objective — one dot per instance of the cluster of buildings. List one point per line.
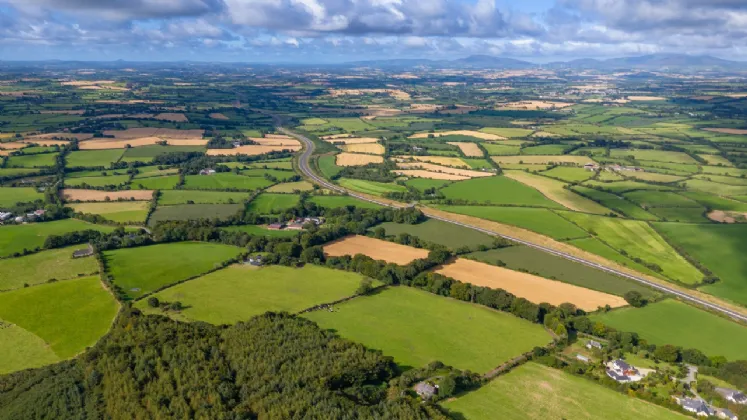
(296, 224)
(8, 217)
(622, 372)
(701, 409)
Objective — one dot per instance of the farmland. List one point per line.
(267, 203)
(261, 231)
(497, 190)
(237, 293)
(193, 212)
(16, 238)
(10, 196)
(438, 232)
(172, 197)
(41, 267)
(121, 212)
(371, 187)
(225, 181)
(142, 270)
(391, 321)
(336, 201)
(375, 248)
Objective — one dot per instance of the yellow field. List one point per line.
(539, 160)
(735, 131)
(276, 141)
(469, 149)
(350, 140)
(443, 169)
(369, 148)
(107, 143)
(110, 207)
(530, 287)
(12, 145)
(554, 190)
(418, 173)
(73, 194)
(58, 135)
(250, 150)
(646, 98)
(440, 160)
(394, 93)
(164, 133)
(376, 249)
(478, 134)
(534, 105)
(355, 159)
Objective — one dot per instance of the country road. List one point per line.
(309, 172)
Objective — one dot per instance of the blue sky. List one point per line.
(345, 30)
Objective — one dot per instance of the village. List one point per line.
(8, 217)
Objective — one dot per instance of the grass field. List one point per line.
(172, 197)
(534, 391)
(673, 322)
(675, 214)
(716, 202)
(545, 149)
(542, 221)
(616, 203)
(290, 187)
(22, 350)
(97, 181)
(569, 174)
(10, 196)
(46, 265)
(660, 199)
(370, 187)
(238, 292)
(556, 191)
(335, 201)
(720, 248)
(639, 240)
(155, 182)
(498, 190)
(507, 132)
(275, 173)
(32, 161)
(557, 268)
(595, 246)
(16, 238)
(328, 167)
(69, 315)
(144, 269)
(656, 155)
(267, 203)
(715, 187)
(438, 232)
(261, 231)
(416, 328)
(422, 184)
(224, 181)
(116, 211)
(93, 158)
(619, 187)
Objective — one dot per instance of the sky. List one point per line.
(323, 31)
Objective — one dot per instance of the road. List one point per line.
(306, 169)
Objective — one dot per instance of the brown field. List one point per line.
(538, 159)
(4, 152)
(375, 248)
(276, 141)
(534, 105)
(107, 87)
(164, 133)
(250, 150)
(73, 194)
(544, 134)
(87, 82)
(336, 136)
(646, 98)
(54, 136)
(374, 111)
(478, 134)
(425, 107)
(419, 173)
(218, 116)
(530, 287)
(443, 169)
(13, 145)
(355, 159)
(469, 149)
(278, 136)
(394, 93)
(351, 140)
(107, 143)
(368, 148)
(727, 216)
(164, 116)
(736, 131)
(440, 160)
(63, 112)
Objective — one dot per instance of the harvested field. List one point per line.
(13, 145)
(394, 93)
(727, 216)
(42, 142)
(440, 160)
(71, 194)
(531, 105)
(417, 173)
(469, 149)
(443, 169)
(218, 116)
(375, 248)
(87, 82)
(539, 159)
(101, 144)
(470, 133)
(250, 150)
(353, 159)
(368, 148)
(646, 98)
(278, 136)
(555, 191)
(166, 116)
(164, 133)
(533, 288)
(735, 131)
(58, 136)
(349, 140)
(275, 141)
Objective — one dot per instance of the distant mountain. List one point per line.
(488, 61)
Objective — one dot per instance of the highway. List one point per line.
(309, 172)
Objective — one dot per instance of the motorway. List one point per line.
(309, 172)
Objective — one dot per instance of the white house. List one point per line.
(591, 344)
(695, 406)
(622, 372)
(725, 413)
(732, 395)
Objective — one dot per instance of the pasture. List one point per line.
(68, 315)
(569, 174)
(356, 159)
(22, 349)
(43, 266)
(674, 322)
(375, 248)
(595, 246)
(142, 270)
(261, 231)
(194, 212)
(438, 232)
(422, 184)
(268, 203)
(327, 166)
(16, 238)
(616, 203)
(291, 187)
(675, 214)
(556, 191)
(116, 211)
(336, 201)
(155, 182)
(393, 321)
(238, 292)
(10, 196)
(93, 158)
(497, 190)
(370, 187)
(534, 391)
(225, 181)
(112, 181)
(172, 197)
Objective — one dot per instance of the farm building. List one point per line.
(725, 413)
(255, 261)
(591, 344)
(426, 390)
(81, 253)
(276, 226)
(696, 406)
(583, 358)
(732, 395)
(622, 372)
(207, 172)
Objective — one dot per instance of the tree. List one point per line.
(635, 299)
(447, 387)
(667, 353)
(153, 302)
(365, 288)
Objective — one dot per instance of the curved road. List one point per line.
(306, 169)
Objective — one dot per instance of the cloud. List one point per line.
(122, 9)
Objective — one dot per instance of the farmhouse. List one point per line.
(80, 253)
(732, 395)
(276, 226)
(255, 261)
(583, 358)
(426, 390)
(725, 413)
(296, 225)
(696, 406)
(623, 372)
(207, 171)
(591, 344)
(5, 215)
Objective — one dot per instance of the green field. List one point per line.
(639, 240)
(268, 203)
(595, 246)
(97, 181)
(715, 187)
(545, 149)
(715, 202)
(523, 258)
(422, 184)
(370, 187)
(498, 190)
(616, 203)
(32, 161)
(675, 214)
(194, 212)
(259, 230)
(507, 132)
(225, 181)
(538, 220)
(144, 269)
(172, 197)
(534, 391)
(416, 328)
(569, 174)
(155, 183)
(116, 211)
(16, 238)
(10, 196)
(438, 232)
(673, 322)
(327, 166)
(46, 265)
(238, 292)
(22, 349)
(656, 155)
(660, 199)
(618, 187)
(274, 173)
(93, 158)
(69, 315)
(499, 149)
(720, 248)
(290, 187)
(336, 201)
